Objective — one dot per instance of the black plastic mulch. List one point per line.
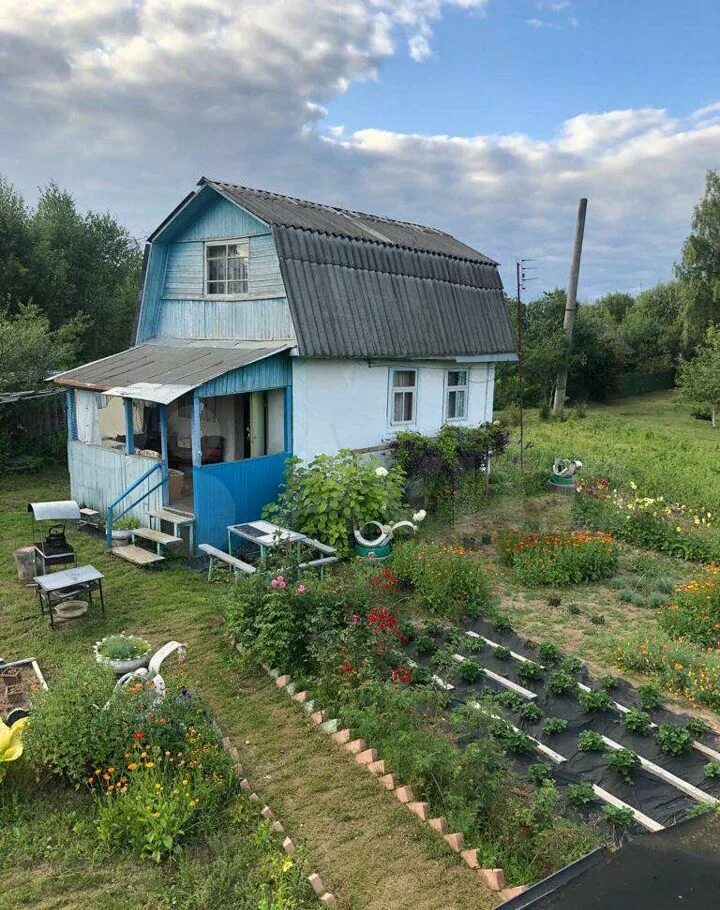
(649, 794)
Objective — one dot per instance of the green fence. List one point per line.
(642, 383)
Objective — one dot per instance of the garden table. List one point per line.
(70, 584)
(263, 534)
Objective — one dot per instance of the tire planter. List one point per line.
(374, 554)
(121, 667)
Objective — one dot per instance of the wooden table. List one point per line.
(264, 534)
(70, 584)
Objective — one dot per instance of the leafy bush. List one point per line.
(712, 770)
(531, 713)
(649, 697)
(561, 682)
(621, 819)
(529, 671)
(445, 580)
(595, 701)
(474, 644)
(539, 772)
(625, 762)
(607, 683)
(502, 625)
(673, 740)
(425, 645)
(560, 559)
(470, 670)
(697, 727)
(332, 494)
(513, 701)
(581, 794)
(502, 653)
(637, 721)
(554, 725)
(590, 741)
(549, 653)
(443, 660)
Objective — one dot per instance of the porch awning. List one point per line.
(162, 373)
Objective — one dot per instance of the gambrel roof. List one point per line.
(362, 286)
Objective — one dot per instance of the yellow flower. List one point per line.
(149, 764)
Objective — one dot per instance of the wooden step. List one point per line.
(155, 536)
(136, 555)
(173, 517)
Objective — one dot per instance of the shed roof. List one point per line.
(164, 372)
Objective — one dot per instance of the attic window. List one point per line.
(226, 268)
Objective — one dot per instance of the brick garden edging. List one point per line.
(367, 757)
(326, 898)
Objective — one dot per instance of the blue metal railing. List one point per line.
(112, 518)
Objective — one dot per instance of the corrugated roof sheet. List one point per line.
(353, 298)
(276, 209)
(181, 365)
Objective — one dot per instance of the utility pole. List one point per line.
(521, 276)
(571, 305)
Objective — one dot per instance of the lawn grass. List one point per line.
(366, 847)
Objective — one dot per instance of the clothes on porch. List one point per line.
(86, 411)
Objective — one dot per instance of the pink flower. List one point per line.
(355, 619)
(301, 589)
(281, 584)
(278, 582)
(274, 582)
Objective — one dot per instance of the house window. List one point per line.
(403, 396)
(457, 395)
(226, 268)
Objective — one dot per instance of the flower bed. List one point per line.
(560, 559)
(694, 611)
(668, 527)
(446, 580)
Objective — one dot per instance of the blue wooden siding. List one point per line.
(98, 476)
(234, 492)
(271, 373)
(173, 298)
(71, 414)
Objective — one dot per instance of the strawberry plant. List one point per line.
(529, 671)
(581, 794)
(625, 762)
(590, 741)
(554, 725)
(595, 701)
(637, 721)
(673, 740)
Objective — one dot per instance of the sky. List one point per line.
(486, 118)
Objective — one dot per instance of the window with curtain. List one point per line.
(403, 397)
(227, 267)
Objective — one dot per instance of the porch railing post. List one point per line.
(164, 452)
(129, 426)
(288, 419)
(195, 432)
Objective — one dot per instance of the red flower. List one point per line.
(346, 667)
(402, 675)
(139, 734)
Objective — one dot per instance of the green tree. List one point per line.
(699, 379)
(616, 305)
(30, 350)
(698, 271)
(651, 330)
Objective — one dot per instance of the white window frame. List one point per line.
(393, 389)
(457, 388)
(236, 296)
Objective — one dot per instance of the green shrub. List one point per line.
(444, 579)
(620, 819)
(516, 741)
(657, 601)
(571, 665)
(554, 725)
(474, 644)
(581, 794)
(619, 584)
(649, 697)
(513, 701)
(595, 701)
(560, 682)
(549, 653)
(425, 645)
(528, 671)
(502, 625)
(531, 713)
(443, 660)
(626, 597)
(637, 721)
(712, 770)
(328, 496)
(470, 670)
(590, 741)
(607, 683)
(559, 559)
(539, 772)
(697, 727)
(625, 762)
(673, 740)
(502, 653)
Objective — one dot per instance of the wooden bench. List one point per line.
(321, 547)
(230, 562)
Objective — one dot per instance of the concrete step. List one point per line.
(136, 555)
(155, 536)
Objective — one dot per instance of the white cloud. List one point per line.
(128, 102)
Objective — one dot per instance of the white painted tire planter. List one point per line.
(120, 667)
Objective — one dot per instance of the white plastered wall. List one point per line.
(345, 403)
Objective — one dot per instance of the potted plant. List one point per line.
(121, 530)
(122, 653)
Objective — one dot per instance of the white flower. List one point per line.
(381, 471)
(419, 516)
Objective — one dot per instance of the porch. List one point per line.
(213, 452)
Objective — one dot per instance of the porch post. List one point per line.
(164, 452)
(288, 419)
(70, 414)
(129, 428)
(195, 432)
